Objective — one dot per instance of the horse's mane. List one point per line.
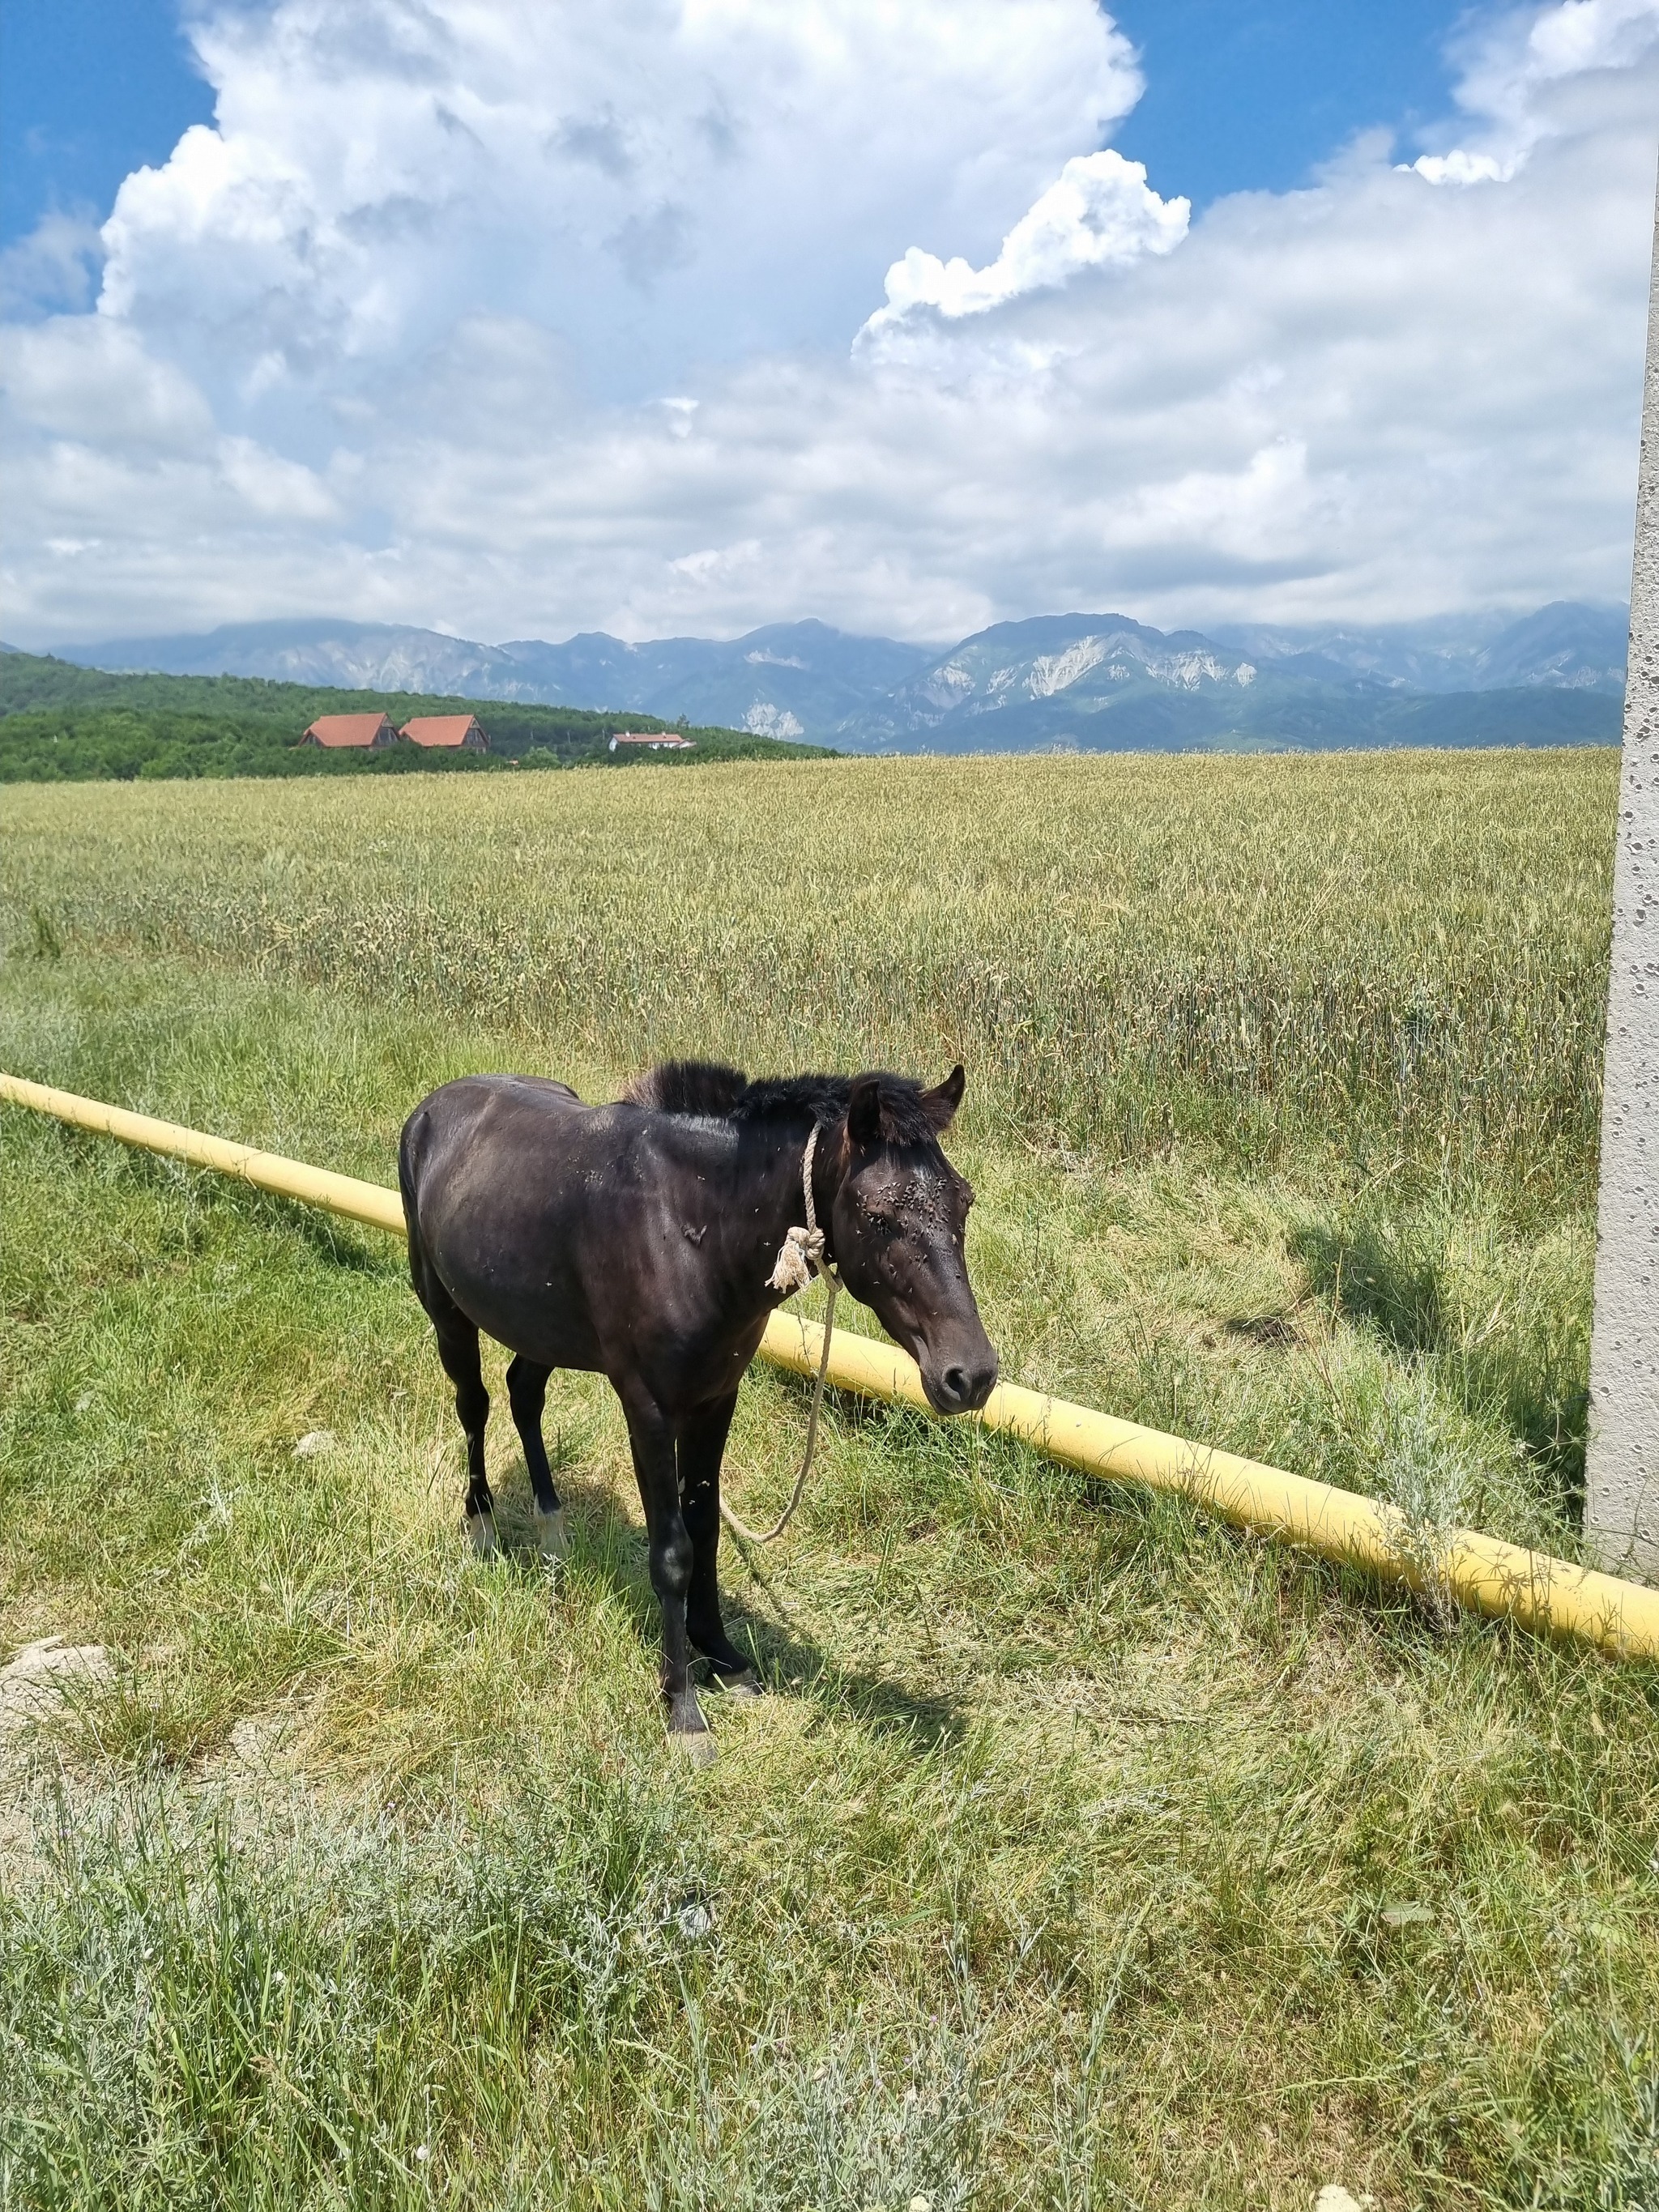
(688, 1086)
(704, 1087)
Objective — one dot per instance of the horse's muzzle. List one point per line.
(963, 1387)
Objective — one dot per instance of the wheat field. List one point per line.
(1412, 946)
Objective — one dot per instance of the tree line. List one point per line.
(63, 723)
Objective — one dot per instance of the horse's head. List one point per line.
(896, 1231)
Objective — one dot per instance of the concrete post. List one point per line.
(1622, 1517)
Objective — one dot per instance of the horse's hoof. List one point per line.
(748, 1684)
(550, 1534)
(481, 1533)
(695, 1744)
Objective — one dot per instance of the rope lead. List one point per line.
(800, 1258)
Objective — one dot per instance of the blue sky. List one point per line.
(88, 89)
(1244, 98)
(519, 317)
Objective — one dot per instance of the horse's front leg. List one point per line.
(671, 1556)
(702, 1447)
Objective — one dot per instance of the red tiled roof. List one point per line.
(350, 730)
(441, 729)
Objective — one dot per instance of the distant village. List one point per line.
(452, 733)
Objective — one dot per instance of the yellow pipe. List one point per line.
(1503, 1580)
(358, 1201)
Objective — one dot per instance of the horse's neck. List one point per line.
(765, 1202)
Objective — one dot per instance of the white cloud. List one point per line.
(1100, 212)
(382, 342)
(271, 485)
(658, 181)
(1460, 167)
(87, 378)
(1533, 48)
(54, 266)
(1512, 63)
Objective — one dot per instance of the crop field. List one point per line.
(1085, 1854)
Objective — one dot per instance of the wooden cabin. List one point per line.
(660, 741)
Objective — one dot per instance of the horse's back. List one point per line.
(562, 1230)
(473, 1094)
(485, 1129)
(497, 1179)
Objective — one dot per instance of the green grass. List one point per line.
(1087, 1854)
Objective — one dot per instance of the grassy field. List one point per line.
(1087, 1856)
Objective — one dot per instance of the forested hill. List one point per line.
(59, 722)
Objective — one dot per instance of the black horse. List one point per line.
(638, 1240)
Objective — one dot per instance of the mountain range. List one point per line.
(1078, 681)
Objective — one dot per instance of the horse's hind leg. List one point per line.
(458, 1348)
(526, 1391)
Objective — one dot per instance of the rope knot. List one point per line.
(801, 1258)
(802, 1253)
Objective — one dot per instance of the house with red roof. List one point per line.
(453, 733)
(336, 731)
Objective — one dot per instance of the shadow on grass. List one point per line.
(1522, 1362)
(1390, 1275)
(610, 1550)
(359, 1251)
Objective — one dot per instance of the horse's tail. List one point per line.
(407, 1169)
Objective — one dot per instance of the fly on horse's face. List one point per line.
(897, 1230)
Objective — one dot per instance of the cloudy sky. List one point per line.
(518, 317)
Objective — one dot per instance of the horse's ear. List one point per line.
(864, 1112)
(940, 1106)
